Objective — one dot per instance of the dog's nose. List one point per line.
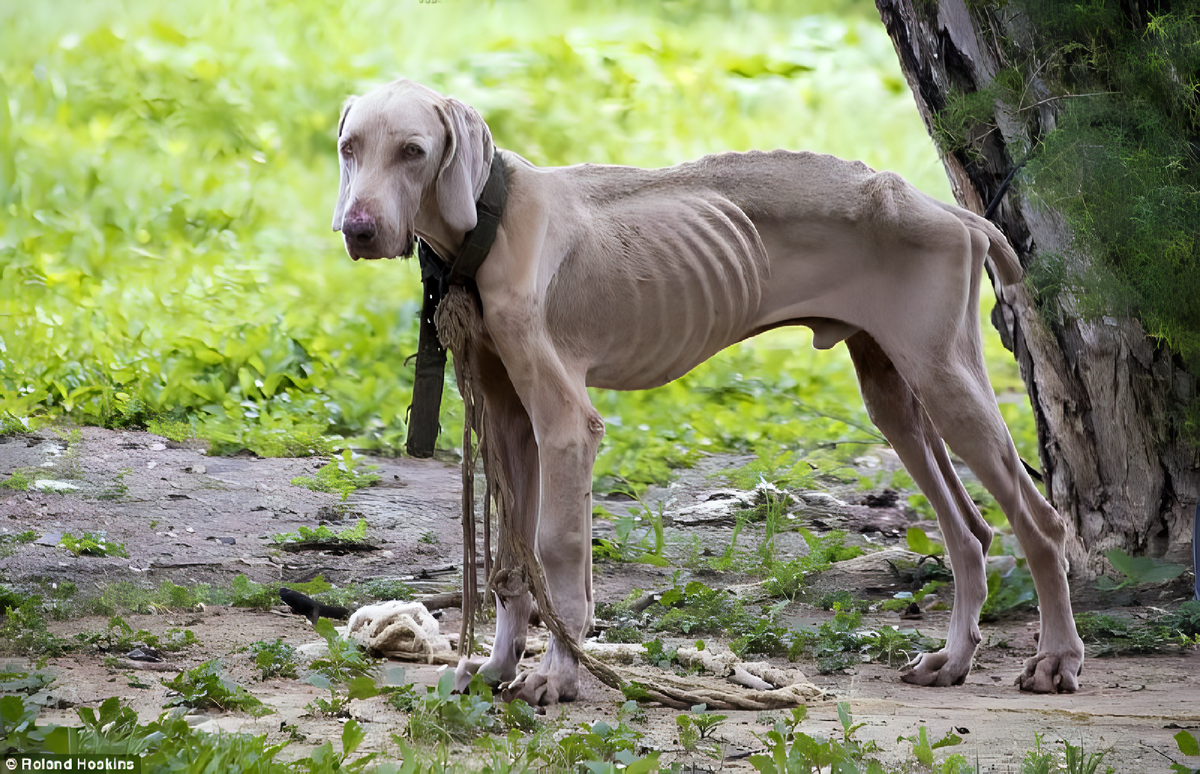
(360, 230)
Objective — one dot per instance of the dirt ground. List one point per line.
(189, 518)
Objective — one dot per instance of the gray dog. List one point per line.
(628, 278)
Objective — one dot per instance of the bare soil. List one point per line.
(189, 518)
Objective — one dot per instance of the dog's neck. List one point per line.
(448, 242)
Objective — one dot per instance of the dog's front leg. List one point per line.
(567, 430)
(510, 436)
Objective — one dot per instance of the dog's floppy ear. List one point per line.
(339, 210)
(465, 164)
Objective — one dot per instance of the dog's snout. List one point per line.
(360, 230)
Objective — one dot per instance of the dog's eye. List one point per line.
(412, 151)
(346, 150)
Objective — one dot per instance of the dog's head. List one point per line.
(412, 161)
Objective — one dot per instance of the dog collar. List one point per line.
(489, 209)
(436, 278)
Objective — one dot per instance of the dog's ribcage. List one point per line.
(666, 280)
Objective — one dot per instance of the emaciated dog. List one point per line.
(626, 278)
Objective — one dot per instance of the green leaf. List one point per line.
(949, 740)
(919, 542)
(1143, 569)
(363, 687)
(921, 749)
(445, 686)
(843, 711)
(352, 736)
(1187, 744)
(644, 765)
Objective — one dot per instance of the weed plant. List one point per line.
(323, 535)
(274, 659)
(1106, 635)
(92, 544)
(120, 637)
(345, 659)
(24, 632)
(787, 579)
(1009, 593)
(205, 687)
(9, 543)
(170, 744)
(19, 481)
(1136, 570)
(339, 477)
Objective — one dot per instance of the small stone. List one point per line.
(50, 485)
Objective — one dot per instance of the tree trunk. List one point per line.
(1101, 390)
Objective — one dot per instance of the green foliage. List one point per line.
(1072, 760)
(1187, 745)
(790, 751)
(204, 687)
(338, 477)
(788, 469)
(1009, 593)
(1185, 620)
(843, 599)
(128, 597)
(1121, 165)
(8, 544)
(695, 608)
(1136, 570)
(14, 678)
(443, 716)
(274, 659)
(92, 544)
(840, 643)
(697, 728)
(598, 747)
(24, 631)
(324, 759)
(786, 579)
(121, 637)
(919, 542)
(637, 536)
(248, 593)
(922, 748)
(345, 661)
(323, 534)
(358, 594)
(20, 481)
(1106, 635)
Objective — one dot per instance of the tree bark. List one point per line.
(1101, 390)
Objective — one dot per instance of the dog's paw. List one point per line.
(1053, 672)
(486, 668)
(538, 689)
(937, 669)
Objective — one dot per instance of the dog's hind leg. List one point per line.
(948, 375)
(897, 412)
(961, 403)
(508, 431)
